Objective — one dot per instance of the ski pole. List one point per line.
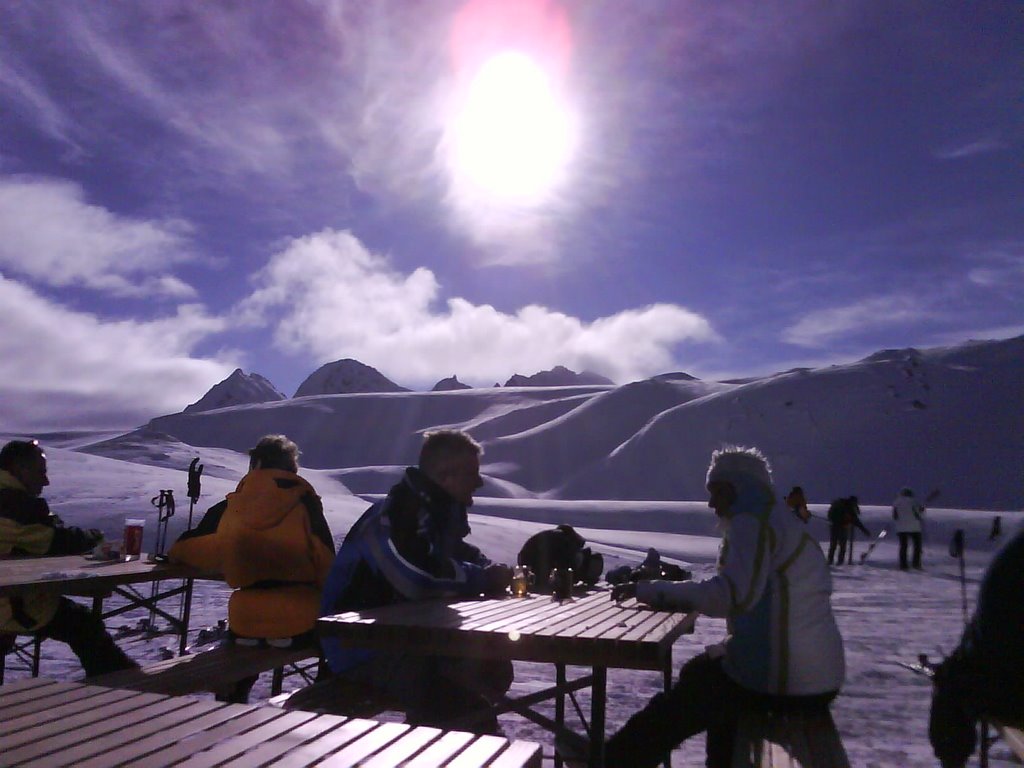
(195, 473)
(956, 549)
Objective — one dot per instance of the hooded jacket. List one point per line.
(774, 589)
(907, 513)
(409, 546)
(270, 541)
(27, 527)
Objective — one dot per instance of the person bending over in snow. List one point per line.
(783, 648)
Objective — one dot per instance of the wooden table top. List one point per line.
(69, 573)
(51, 724)
(588, 630)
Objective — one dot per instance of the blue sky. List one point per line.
(487, 188)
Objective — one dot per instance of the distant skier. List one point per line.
(843, 515)
(997, 528)
(797, 503)
(908, 514)
(853, 510)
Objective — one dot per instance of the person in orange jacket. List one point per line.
(271, 542)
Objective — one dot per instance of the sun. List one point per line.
(512, 136)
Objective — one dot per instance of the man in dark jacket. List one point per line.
(28, 528)
(984, 676)
(411, 546)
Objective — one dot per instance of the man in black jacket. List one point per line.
(984, 676)
(28, 528)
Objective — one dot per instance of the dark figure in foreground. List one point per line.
(28, 528)
(411, 546)
(784, 649)
(984, 676)
(908, 514)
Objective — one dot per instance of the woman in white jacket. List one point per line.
(783, 649)
(908, 513)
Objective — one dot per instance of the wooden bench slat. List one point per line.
(28, 702)
(399, 753)
(239, 724)
(520, 754)
(134, 748)
(480, 752)
(70, 747)
(442, 751)
(366, 745)
(328, 743)
(226, 750)
(76, 713)
(212, 670)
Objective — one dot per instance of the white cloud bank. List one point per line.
(52, 236)
(62, 369)
(330, 296)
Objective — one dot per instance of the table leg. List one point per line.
(186, 614)
(597, 709)
(667, 674)
(559, 705)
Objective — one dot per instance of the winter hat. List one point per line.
(738, 465)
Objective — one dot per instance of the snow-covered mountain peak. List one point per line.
(239, 388)
(346, 377)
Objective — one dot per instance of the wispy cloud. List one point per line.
(51, 235)
(32, 98)
(60, 368)
(327, 295)
(818, 328)
(971, 149)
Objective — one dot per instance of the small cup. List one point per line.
(133, 538)
(522, 578)
(562, 580)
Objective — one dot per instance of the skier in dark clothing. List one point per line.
(853, 508)
(984, 676)
(28, 528)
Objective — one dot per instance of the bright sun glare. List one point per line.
(513, 136)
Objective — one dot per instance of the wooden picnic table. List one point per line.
(588, 630)
(98, 579)
(49, 724)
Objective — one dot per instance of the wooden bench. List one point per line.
(216, 670)
(337, 696)
(788, 740)
(45, 722)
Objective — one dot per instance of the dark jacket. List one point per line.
(984, 676)
(27, 527)
(409, 546)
